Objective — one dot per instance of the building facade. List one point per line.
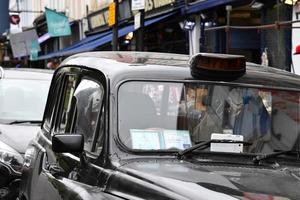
(251, 28)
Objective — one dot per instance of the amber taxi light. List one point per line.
(217, 66)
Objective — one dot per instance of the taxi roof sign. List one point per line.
(217, 66)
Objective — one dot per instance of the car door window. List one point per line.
(88, 97)
(65, 104)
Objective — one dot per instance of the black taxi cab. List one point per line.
(141, 125)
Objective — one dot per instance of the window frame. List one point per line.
(60, 104)
(100, 78)
(54, 103)
(50, 117)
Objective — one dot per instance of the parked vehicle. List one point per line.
(23, 95)
(137, 125)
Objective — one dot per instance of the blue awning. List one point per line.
(92, 42)
(204, 5)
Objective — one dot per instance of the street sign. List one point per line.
(34, 50)
(137, 4)
(58, 24)
(112, 14)
(137, 20)
(14, 19)
(21, 43)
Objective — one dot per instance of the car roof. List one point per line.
(26, 73)
(124, 65)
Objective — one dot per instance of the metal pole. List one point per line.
(115, 28)
(191, 46)
(140, 31)
(278, 31)
(197, 34)
(228, 9)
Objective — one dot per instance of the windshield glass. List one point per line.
(166, 116)
(22, 99)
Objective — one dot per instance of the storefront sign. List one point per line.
(99, 19)
(137, 21)
(153, 4)
(137, 4)
(22, 43)
(111, 14)
(58, 24)
(34, 50)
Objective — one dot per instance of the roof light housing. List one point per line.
(211, 66)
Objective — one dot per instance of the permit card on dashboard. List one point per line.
(227, 143)
(145, 139)
(148, 139)
(178, 139)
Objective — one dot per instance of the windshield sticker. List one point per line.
(232, 146)
(145, 139)
(176, 139)
(160, 139)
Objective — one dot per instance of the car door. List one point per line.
(33, 177)
(77, 107)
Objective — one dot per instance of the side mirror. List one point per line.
(67, 143)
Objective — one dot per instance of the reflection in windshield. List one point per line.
(22, 99)
(160, 116)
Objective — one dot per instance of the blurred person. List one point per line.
(53, 64)
(249, 117)
(243, 112)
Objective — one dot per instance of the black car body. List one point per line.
(23, 95)
(132, 125)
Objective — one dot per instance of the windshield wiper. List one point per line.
(258, 158)
(180, 154)
(25, 121)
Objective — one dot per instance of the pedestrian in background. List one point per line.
(53, 64)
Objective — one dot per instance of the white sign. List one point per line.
(232, 146)
(21, 42)
(137, 4)
(137, 21)
(160, 139)
(296, 39)
(153, 4)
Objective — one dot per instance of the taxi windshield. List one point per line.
(176, 116)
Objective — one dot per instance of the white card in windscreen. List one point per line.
(145, 139)
(228, 143)
(178, 139)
